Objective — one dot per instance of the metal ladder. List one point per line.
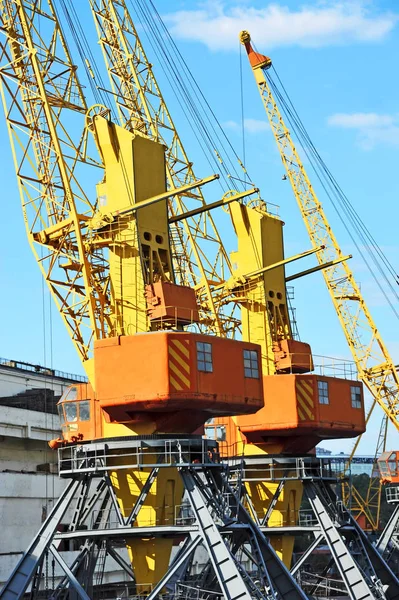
(227, 572)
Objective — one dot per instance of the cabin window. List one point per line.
(217, 432)
(61, 412)
(356, 396)
(393, 467)
(251, 365)
(71, 412)
(84, 410)
(322, 387)
(204, 357)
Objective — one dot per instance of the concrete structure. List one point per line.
(29, 482)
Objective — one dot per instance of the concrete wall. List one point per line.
(15, 381)
(27, 494)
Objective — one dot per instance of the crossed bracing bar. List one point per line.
(217, 521)
(241, 562)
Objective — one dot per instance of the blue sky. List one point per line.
(338, 61)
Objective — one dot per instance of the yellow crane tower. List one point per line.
(375, 366)
(104, 254)
(114, 258)
(256, 282)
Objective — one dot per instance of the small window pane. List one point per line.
(71, 412)
(84, 410)
(251, 366)
(204, 357)
(323, 392)
(356, 396)
(61, 412)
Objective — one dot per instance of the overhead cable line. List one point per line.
(341, 204)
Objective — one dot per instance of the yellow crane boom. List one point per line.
(40, 94)
(141, 106)
(375, 366)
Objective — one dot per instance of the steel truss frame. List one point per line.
(218, 521)
(362, 570)
(388, 542)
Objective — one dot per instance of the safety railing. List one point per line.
(40, 370)
(392, 494)
(136, 454)
(334, 367)
(268, 468)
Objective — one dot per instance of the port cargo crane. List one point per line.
(256, 285)
(111, 264)
(374, 364)
(109, 260)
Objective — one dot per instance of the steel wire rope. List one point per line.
(333, 180)
(195, 86)
(242, 108)
(84, 51)
(356, 221)
(200, 112)
(167, 65)
(327, 181)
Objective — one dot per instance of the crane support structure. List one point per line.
(141, 106)
(40, 91)
(375, 366)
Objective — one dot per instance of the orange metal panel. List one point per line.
(292, 407)
(158, 373)
(171, 303)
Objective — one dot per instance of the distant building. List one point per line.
(29, 482)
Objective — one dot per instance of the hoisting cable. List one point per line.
(191, 93)
(242, 108)
(87, 58)
(171, 71)
(338, 188)
(206, 108)
(347, 213)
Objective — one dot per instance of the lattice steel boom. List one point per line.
(200, 258)
(374, 363)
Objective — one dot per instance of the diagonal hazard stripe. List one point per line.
(179, 360)
(307, 386)
(179, 374)
(175, 384)
(305, 395)
(305, 408)
(301, 415)
(182, 347)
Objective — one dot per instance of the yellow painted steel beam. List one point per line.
(223, 202)
(373, 360)
(168, 194)
(327, 265)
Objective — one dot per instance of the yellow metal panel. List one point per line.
(263, 298)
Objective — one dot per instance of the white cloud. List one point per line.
(372, 129)
(250, 125)
(330, 23)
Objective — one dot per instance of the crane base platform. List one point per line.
(214, 515)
